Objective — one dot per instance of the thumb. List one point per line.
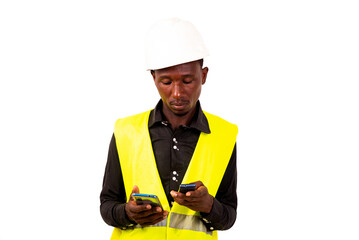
(135, 189)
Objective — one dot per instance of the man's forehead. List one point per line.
(189, 68)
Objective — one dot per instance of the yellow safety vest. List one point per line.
(208, 164)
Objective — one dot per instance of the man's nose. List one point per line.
(177, 91)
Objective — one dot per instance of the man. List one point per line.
(154, 152)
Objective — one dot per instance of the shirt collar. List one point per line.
(199, 120)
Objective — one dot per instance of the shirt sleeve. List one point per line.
(113, 194)
(224, 210)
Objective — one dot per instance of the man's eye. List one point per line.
(187, 79)
(166, 82)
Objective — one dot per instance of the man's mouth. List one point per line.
(178, 105)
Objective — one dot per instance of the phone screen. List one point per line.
(147, 199)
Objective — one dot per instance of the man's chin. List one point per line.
(179, 112)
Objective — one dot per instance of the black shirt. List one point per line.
(173, 151)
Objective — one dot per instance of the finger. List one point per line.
(134, 211)
(178, 197)
(189, 200)
(175, 194)
(140, 208)
(136, 208)
(149, 211)
(149, 215)
(151, 220)
(135, 189)
(182, 199)
(200, 192)
(198, 184)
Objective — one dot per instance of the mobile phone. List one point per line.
(183, 188)
(147, 199)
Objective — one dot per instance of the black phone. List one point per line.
(147, 199)
(183, 188)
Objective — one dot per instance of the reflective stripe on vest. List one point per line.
(208, 164)
(188, 222)
(181, 221)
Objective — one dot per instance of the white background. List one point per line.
(285, 71)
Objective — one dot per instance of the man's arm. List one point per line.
(224, 210)
(113, 195)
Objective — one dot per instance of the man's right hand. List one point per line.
(143, 214)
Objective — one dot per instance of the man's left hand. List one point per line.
(199, 200)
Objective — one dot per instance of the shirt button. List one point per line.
(175, 173)
(211, 228)
(174, 140)
(174, 178)
(175, 147)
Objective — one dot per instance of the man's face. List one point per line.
(180, 86)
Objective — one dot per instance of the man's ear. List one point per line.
(204, 75)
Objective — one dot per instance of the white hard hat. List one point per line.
(171, 42)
